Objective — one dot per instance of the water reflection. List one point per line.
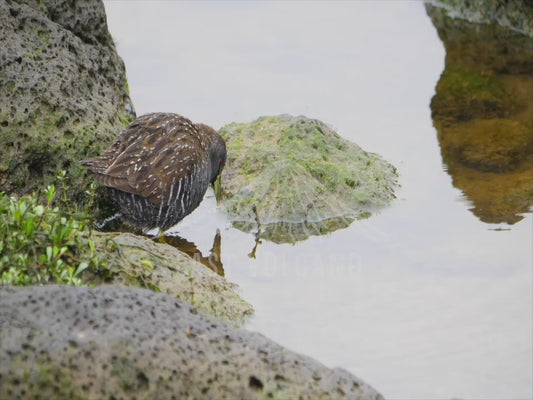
(483, 112)
(213, 261)
(292, 232)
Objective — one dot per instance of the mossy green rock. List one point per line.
(297, 178)
(137, 261)
(63, 92)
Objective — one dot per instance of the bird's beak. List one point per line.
(217, 186)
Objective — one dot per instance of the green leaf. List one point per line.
(82, 267)
(29, 226)
(50, 194)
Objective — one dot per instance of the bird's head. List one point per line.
(217, 158)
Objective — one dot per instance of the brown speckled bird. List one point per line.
(159, 168)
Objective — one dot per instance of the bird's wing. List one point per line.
(133, 133)
(151, 168)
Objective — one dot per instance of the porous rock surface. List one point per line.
(297, 177)
(60, 342)
(63, 91)
(516, 14)
(137, 261)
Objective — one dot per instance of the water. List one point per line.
(423, 301)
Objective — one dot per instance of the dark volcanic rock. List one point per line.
(63, 91)
(62, 342)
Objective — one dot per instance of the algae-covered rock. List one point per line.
(63, 92)
(112, 342)
(516, 14)
(482, 110)
(297, 177)
(137, 261)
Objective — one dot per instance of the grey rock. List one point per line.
(63, 91)
(516, 15)
(60, 342)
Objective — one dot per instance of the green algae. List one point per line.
(62, 99)
(293, 177)
(33, 154)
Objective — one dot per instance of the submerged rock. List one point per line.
(292, 177)
(60, 342)
(63, 92)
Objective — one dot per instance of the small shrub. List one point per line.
(42, 243)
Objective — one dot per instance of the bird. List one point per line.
(158, 169)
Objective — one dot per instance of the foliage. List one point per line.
(43, 243)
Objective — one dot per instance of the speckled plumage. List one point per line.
(159, 168)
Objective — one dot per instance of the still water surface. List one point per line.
(423, 301)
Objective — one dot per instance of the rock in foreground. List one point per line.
(298, 178)
(60, 342)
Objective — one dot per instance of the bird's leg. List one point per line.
(257, 234)
(257, 221)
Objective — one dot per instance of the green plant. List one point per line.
(62, 176)
(42, 243)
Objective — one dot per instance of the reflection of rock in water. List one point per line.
(213, 261)
(483, 112)
(290, 232)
